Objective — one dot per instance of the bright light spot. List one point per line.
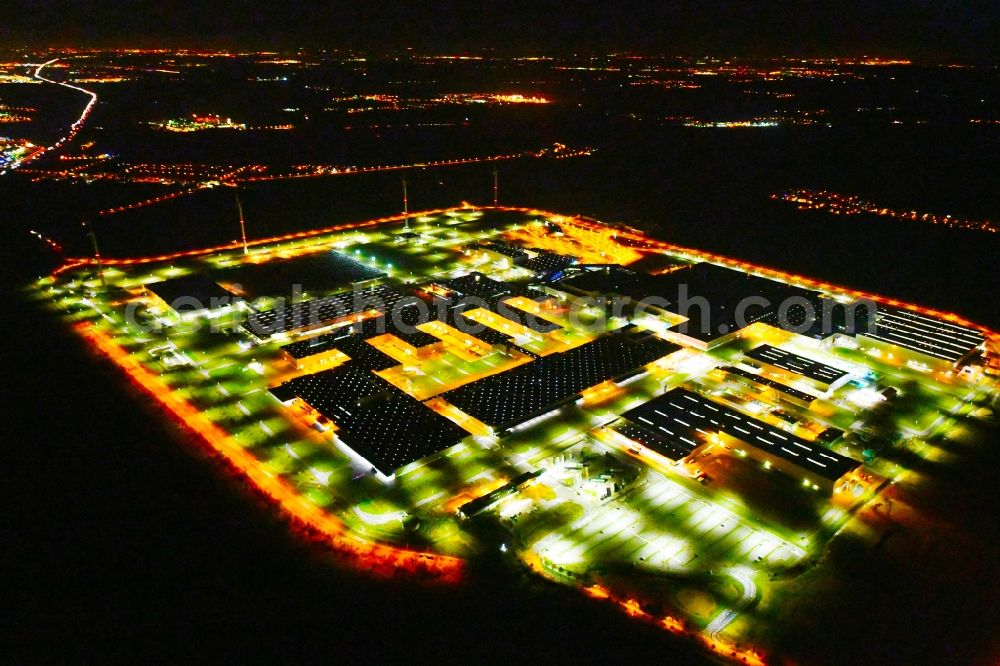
(865, 397)
(321, 476)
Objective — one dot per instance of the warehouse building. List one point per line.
(510, 398)
(822, 377)
(376, 420)
(937, 343)
(679, 422)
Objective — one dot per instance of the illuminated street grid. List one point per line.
(600, 500)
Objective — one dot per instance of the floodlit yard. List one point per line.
(631, 519)
(664, 527)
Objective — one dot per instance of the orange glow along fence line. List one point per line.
(383, 558)
(377, 557)
(235, 245)
(633, 608)
(650, 244)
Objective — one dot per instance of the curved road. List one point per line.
(77, 124)
(723, 619)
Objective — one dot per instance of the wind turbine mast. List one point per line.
(406, 207)
(97, 251)
(243, 226)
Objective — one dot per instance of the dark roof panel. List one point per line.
(924, 334)
(800, 365)
(386, 426)
(684, 418)
(509, 398)
(192, 293)
(321, 310)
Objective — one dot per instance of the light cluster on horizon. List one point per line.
(835, 203)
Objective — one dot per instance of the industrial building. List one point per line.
(382, 424)
(505, 400)
(322, 312)
(781, 391)
(937, 343)
(706, 304)
(820, 376)
(679, 422)
(192, 295)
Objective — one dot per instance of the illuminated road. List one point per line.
(329, 170)
(723, 619)
(77, 124)
(200, 176)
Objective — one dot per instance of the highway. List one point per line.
(77, 124)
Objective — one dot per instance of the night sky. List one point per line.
(918, 29)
